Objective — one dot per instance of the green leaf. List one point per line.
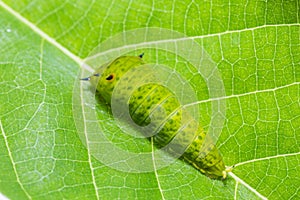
(255, 45)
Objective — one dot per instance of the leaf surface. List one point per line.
(255, 45)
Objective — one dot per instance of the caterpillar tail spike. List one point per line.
(202, 155)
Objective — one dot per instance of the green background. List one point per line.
(255, 44)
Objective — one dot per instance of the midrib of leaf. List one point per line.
(238, 180)
(82, 64)
(45, 36)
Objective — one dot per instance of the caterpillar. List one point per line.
(150, 98)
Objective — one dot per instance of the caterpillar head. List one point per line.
(105, 77)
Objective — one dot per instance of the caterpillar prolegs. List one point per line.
(153, 99)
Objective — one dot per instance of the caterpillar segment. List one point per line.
(155, 104)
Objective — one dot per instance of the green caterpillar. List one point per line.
(143, 103)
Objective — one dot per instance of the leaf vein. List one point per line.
(237, 179)
(42, 34)
(13, 162)
(267, 158)
(155, 170)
